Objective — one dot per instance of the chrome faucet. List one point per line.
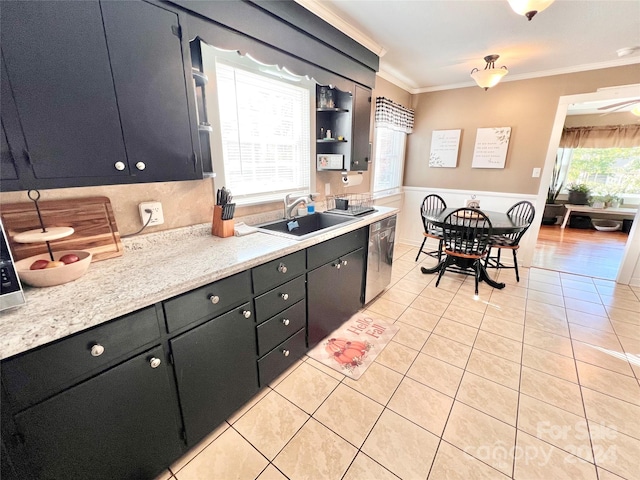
(289, 206)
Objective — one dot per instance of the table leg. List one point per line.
(435, 269)
(566, 218)
(484, 277)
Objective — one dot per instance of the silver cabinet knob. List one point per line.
(97, 350)
(246, 314)
(286, 353)
(285, 296)
(140, 166)
(119, 166)
(282, 268)
(285, 321)
(155, 362)
(338, 265)
(214, 299)
(344, 262)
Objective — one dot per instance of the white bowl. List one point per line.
(48, 277)
(606, 225)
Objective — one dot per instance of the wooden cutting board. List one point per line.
(91, 218)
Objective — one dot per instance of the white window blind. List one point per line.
(265, 130)
(389, 159)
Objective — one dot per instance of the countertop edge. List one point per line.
(164, 265)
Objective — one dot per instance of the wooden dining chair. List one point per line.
(431, 202)
(466, 233)
(524, 212)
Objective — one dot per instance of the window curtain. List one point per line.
(393, 115)
(615, 136)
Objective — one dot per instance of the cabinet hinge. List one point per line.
(177, 31)
(27, 157)
(183, 435)
(194, 157)
(171, 358)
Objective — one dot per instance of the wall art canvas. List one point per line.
(444, 148)
(491, 147)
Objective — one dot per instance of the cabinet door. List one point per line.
(120, 424)
(58, 67)
(334, 293)
(216, 370)
(361, 125)
(146, 56)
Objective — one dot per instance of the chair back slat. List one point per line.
(467, 232)
(524, 211)
(431, 203)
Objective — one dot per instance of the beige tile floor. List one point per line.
(535, 381)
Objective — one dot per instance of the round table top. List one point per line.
(500, 221)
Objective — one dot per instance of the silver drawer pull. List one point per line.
(140, 166)
(214, 299)
(285, 296)
(282, 268)
(285, 321)
(97, 350)
(119, 166)
(155, 362)
(246, 313)
(286, 353)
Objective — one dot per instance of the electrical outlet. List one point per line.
(327, 188)
(536, 173)
(157, 218)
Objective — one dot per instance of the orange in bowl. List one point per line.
(56, 274)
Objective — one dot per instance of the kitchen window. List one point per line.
(389, 160)
(393, 123)
(263, 137)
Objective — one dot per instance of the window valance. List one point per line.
(613, 136)
(393, 115)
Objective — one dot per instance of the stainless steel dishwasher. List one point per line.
(379, 257)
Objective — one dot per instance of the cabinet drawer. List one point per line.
(30, 377)
(280, 327)
(208, 301)
(281, 357)
(276, 300)
(278, 271)
(336, 247)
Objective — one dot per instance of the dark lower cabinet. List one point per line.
(216, 372)
(121, 424)
(334, 293)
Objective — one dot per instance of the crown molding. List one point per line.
(319, 9)
(395, 80)
(528, 76)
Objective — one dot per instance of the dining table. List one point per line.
(501, 224)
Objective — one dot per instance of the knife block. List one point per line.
(221, 228)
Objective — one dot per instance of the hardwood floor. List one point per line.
(580, 251)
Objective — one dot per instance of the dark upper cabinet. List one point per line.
(7, 165)
(361, 122)
(99, 91)
(58, 70)
(342, 123)
(148, 68)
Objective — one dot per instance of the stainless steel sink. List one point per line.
(300, 228)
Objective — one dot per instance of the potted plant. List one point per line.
(579, 194)
(553, 210)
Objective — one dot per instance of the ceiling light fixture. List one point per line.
(529, 8)
(490, 76)
(636, 110)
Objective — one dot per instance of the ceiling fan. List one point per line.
(634, 103)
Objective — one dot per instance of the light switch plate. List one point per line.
(536, 173)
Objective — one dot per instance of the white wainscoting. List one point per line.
(410, 226)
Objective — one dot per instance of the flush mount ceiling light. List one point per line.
(636, 110)
(490, 76)
(529, 8)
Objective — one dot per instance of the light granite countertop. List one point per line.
(153, 268)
